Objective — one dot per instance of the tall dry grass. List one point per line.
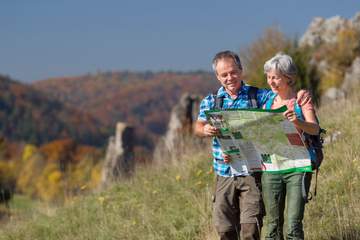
(335, 212)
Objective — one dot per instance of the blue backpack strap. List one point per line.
(298, 111)
(300, 115)
(297, 108)
(270, 101)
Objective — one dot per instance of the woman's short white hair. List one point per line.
(284, 64)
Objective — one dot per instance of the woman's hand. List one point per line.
(290, 115)
(303, 97)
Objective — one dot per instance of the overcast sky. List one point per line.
(52, 38)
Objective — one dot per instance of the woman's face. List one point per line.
(277, 82)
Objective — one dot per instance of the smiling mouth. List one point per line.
(231, 83)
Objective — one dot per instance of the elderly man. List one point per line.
(237, 199)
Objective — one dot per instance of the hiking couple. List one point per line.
(239, 199)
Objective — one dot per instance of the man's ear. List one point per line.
(217, 77)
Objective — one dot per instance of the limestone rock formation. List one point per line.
(324, 30)
(119, 160)
(332, 94)
(351, 81)
(182, 118)
(352, 76)
(356, 21)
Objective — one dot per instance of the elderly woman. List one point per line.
(280, 187)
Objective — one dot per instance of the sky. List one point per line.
(54, 38)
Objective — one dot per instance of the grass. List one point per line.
(169, 202)
(174, 201)
(335, 213)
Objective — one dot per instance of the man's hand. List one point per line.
(210, 131)
(227, 158)
(204, 129)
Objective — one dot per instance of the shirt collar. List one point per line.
(222, 92)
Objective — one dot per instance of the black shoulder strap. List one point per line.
(253, 96)
(219, 101)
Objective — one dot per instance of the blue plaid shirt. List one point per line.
(242, 101)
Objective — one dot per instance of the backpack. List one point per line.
(314, 143)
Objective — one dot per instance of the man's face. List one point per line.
(229, 75)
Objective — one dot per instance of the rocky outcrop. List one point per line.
(119, 160)
(351, 81)
(325, 30)
(180, 126)
(322, 36)
(356, 21)
(352, 77)
(332, 94)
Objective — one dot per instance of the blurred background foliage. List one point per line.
(55, 171)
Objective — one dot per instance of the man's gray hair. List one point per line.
(282, 63)
(226, 54)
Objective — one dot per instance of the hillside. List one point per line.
(174, 202)
(143, 100)
(28, 115)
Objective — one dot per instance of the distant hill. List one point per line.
(143, 100)
(27, 114)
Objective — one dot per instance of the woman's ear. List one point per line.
(291, 82)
